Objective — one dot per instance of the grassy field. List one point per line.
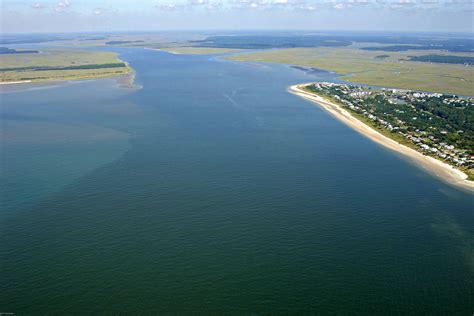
(35, 66)
(388, 69)
(199, 50)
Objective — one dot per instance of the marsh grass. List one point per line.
(363, 67)
(89, 64)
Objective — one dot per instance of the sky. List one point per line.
(141, 15)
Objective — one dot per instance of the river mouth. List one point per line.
(221, 192)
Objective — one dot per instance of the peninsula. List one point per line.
(441, 149)
(59, 64)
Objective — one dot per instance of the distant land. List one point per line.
(392, 70)
(438, 63)
(60, 64)
(122, 42)
(6, 50)
(324, 40)
(444, 59)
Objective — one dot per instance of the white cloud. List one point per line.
(214, 6)
(289, 2)
(251, 4)
(341, 6)
(103, 11)
(167, 6)
(198, 2)
(62, 5)
(359, 2)
(38, 5)
(400, 4)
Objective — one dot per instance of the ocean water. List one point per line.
(214, 190)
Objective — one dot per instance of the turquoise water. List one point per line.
(214, 190)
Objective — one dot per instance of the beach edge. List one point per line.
(441, 170)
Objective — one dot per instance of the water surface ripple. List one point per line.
(214, 190)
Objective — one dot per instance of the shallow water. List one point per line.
(213, 189)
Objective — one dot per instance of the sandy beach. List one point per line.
(15, 82)
(436, 167)
(126, 81)
(163, 50)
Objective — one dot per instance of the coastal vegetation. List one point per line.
(294, 39)
(363, 67)
(274, 41)
(437, 125)
(445, 59)
(442, 46)
(74, 67)
(6, 50)
(55, 64)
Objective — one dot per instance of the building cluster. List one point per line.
(393, 110)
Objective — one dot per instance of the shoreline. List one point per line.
(432, 165)
(163, 50)
(124, 81)
(15, 82)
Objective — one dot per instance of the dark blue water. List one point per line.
(212, 189)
